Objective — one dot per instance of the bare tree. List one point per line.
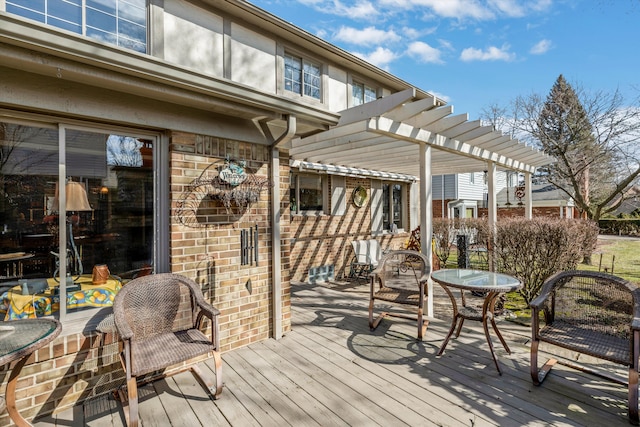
(593, 136)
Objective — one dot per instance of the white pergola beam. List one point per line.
(428, 117)
(411, 109)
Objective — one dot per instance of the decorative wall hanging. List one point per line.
(230, 185)
(359, 196)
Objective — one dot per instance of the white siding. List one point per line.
(337, 89)
(471, 190)
(376, 207)
(253, 59)
(202, 30)
(449, 183)
(338, 195)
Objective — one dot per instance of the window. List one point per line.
(392, 206)
(362, 93)
(301, 77)
(108, 217)
(119, 22)
(307, 193)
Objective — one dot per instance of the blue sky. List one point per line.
(475, 53)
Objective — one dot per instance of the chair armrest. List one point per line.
(539, 301)
(635, 323)
(208, 310)
(123, 328)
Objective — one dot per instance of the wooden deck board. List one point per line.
(331, 370)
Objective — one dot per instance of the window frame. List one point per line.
(294, 206)
(403, 218)
(121, 39)
(78, 320)
(364, 86)
(302, 61)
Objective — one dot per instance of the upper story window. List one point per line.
(307, 193)
(361, 93)
(119, 22)
(301, 76)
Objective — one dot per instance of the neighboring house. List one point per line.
(631, 204)
(209, 139)
(548, 201)
(465, 194)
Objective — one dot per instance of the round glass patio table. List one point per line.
(478, 281)
(18, 340)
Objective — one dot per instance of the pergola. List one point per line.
(400, 134)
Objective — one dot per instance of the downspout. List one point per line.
(276, 244)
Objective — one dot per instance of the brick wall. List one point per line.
(537, 212)
(325, 240)
(205, 246)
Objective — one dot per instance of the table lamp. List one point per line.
(77, 201)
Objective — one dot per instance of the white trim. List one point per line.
(349, 171)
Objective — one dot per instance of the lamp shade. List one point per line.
(77, 200)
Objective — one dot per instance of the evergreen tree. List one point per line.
(565, 132)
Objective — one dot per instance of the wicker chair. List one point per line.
(596, 314)
(400, 278)
(158, 318)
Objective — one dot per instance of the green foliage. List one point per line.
(620, 226)
(565, 132)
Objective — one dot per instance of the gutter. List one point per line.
(276, 215)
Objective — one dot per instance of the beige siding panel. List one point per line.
(338, 195)
(203, 31)
(253, 59)
(337, 90)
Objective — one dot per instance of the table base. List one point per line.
(485, 317)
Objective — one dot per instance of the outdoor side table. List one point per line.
(18, 340)
(493, 284)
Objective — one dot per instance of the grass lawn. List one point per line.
(626, 263)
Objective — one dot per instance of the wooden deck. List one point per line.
(332, 371)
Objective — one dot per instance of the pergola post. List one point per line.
(492, 209)
(528, 197)
(426, 215)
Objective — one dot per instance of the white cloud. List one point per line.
(458, 9)
(367, 36)
(491, 54)
(381, 57)
(541, 47)
(360, 10)
(424, 53)
(508, 7)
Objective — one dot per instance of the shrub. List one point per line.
(443, 233)
(533, 250)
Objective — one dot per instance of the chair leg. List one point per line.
(371, 314)
(538, 375)
(422, 325)
(373, 324)
(459, 327)
(205, 380)
(633, 395)
(132, 393)
(218, 362)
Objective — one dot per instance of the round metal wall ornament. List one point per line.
(359, 196)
